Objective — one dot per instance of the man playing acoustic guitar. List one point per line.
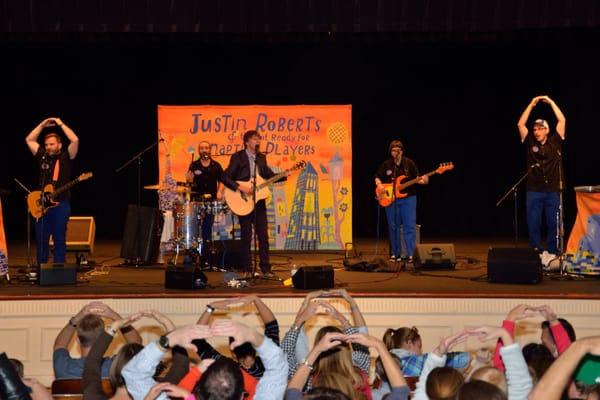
(55, 167)
(237, 178)
(402, 212)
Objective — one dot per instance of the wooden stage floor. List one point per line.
(111, 280)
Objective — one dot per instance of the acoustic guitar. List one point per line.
(39, 202)
(386, 195)
(242, 204)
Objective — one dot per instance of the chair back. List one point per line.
(72, 389)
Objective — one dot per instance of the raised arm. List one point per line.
(130, 334)
(359, 320)
(33, 136)
(73, 139)
(522, 124)
(560, 117)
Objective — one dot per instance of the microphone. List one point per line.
(257, 147)
(535, 165)
(44, 154)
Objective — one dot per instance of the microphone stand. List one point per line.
(513, 190)
(560, 238)
(138, 157)
(28, 217)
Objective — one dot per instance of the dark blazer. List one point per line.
(239, 169)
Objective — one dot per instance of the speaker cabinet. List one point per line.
(57, 274)
(185, 278)
(81, 234)
(141, 237)
(435, 256)
(317, 277)
(514, 265)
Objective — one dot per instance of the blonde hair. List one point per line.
(491, 375)
(334, 369)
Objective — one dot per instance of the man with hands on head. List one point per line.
(244, 355)
(55, 167)
(544, 159)
(360, 355)
(302, 346)
(138, 372)
(555, 337)
(88, 325)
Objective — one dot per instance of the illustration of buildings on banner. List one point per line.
(304, 231)
(277, 214)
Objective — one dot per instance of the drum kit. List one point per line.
(188, 218)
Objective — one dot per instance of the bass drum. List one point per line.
(187, 223)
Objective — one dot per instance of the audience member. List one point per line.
(89, 325)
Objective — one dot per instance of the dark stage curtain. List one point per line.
(288, 16)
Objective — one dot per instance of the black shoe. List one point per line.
(269, 274)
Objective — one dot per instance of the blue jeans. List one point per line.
(53, 223)
(402, 213)
(548, 204)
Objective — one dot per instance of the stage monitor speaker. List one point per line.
(226, 254)
(141, 238)
(185, 278)
(435, 256)
(315, 277)
(57, 274)
(81, 233)
(514, 265)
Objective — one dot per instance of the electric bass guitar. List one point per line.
(242, 204)
(386, 196)
(39, 202)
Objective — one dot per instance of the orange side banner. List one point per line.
(313, 209)
(583, 247)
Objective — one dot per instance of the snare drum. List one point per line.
(187, 224)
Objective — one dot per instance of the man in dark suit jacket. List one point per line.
(241, 168)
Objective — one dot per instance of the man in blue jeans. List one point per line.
(55, 167)
(543, 149)
(402, 212)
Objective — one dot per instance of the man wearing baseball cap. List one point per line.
(543, 148)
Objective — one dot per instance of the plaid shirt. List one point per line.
(361, 357)
(412, 364)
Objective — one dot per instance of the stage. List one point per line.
(437, 302)
(110, 279)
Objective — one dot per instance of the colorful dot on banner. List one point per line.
(337, 133)
(293, 157)
(284, 159)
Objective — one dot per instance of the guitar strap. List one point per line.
(56, 171)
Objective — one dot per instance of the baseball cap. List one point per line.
(589, 370)
(541, 122)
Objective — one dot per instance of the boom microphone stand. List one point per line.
(513, 190)
(28, 218)
(560, 227)
(138, 158)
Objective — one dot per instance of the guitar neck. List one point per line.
(415, 180)
(61, 189)
(271, 180)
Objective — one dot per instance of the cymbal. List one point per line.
(181, 189)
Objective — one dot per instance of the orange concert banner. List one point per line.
(313, 209)
(583, 247)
